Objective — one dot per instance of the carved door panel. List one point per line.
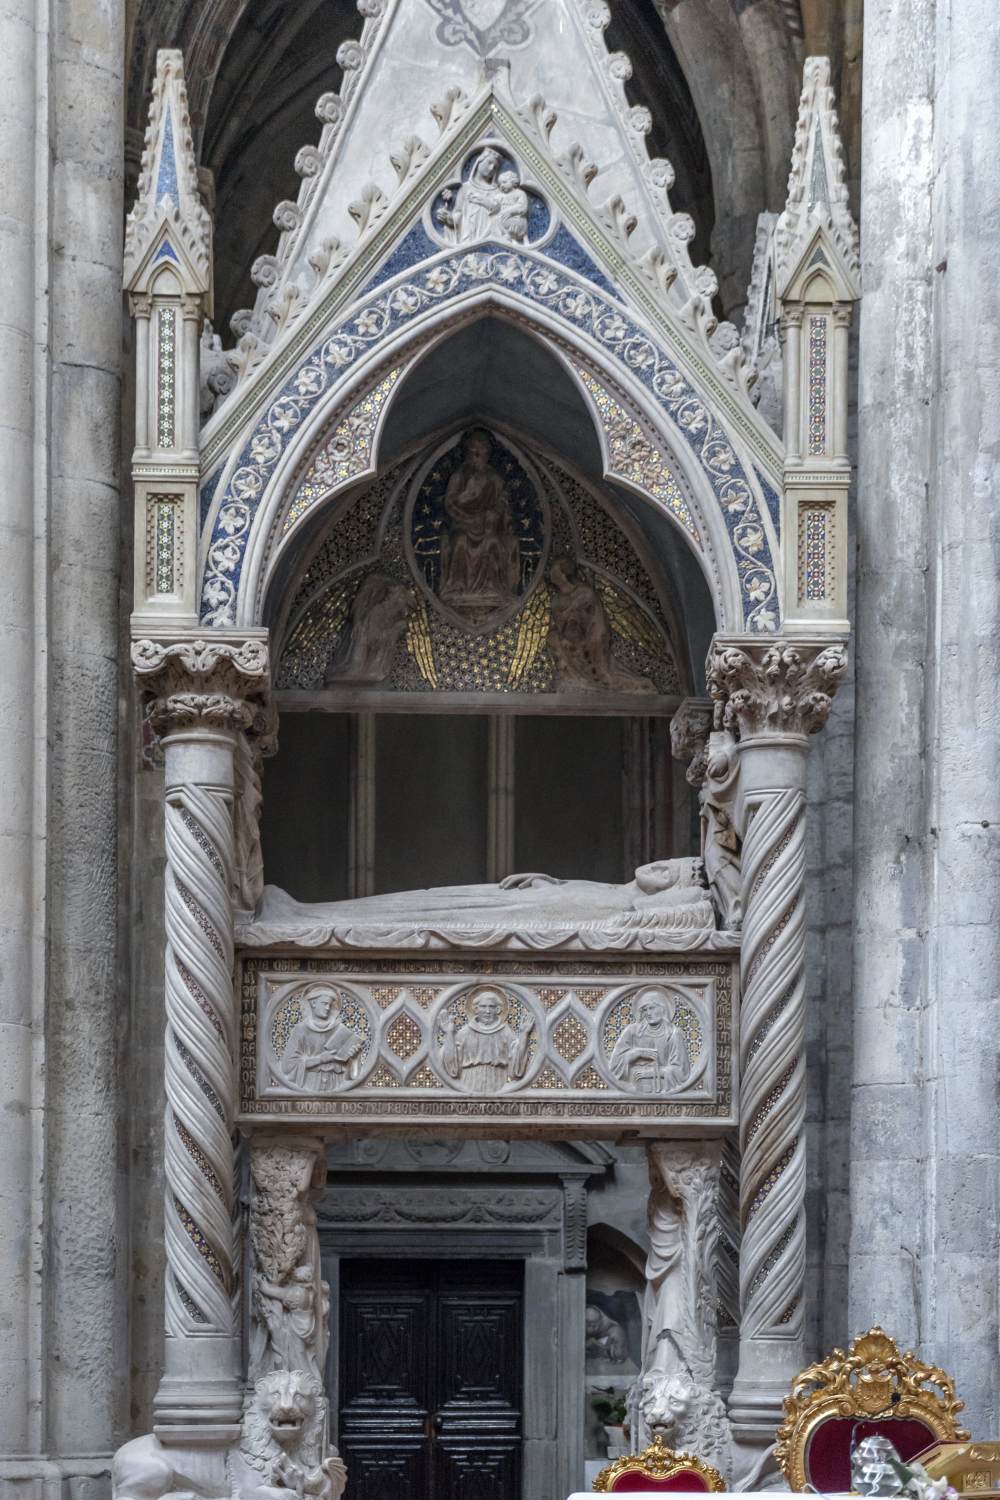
(430, 1380)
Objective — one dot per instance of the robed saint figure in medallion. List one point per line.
(322, 1052)
(485, 1052)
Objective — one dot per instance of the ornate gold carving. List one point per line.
(873, 1380)
(658, 1462)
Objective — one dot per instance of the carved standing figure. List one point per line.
(676, 1393)
(290, 1297)
(473, 210)
(720, 843)
(480, 555)
(580, 637)
(651, 1054)
(322, 1053)
(485, 1052)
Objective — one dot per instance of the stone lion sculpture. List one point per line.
(283, 1449)
(688, 1416)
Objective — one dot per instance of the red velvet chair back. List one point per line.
(658, 1471)
(828, 1452)
(640, 1484)
(875, 1389)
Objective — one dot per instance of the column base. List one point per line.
(757, 1401)
(753, 1466)
(199, 1403)
(756, 1408)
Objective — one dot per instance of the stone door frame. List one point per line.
(553, 1252)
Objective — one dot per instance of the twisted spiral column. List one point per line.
(201, 1384)
(773, 1077)
(774, 695)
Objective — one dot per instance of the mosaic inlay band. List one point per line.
(165, 377)
(164, 535)
(337, 1040)
(817, 385)
(815, 553)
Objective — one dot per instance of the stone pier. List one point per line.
(925, 1126)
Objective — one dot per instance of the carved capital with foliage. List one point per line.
(204, 682)
(774, 688)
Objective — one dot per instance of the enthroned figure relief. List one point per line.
(480, 555)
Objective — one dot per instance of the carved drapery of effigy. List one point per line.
(203, 695)
(774, 697)
(458, 1040)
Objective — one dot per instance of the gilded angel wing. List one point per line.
(532, 633)
(313, 638)
(629, 620)
(418, 643)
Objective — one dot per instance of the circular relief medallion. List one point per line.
(486, 1039)
(318, 1038)
(477, 530)
(651, 1039)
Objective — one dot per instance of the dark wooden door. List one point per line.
(430, 1379)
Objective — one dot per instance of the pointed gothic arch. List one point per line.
(691, 483)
